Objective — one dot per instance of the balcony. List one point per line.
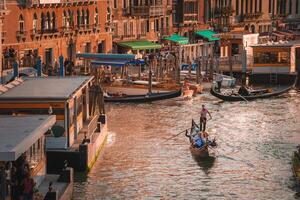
(44, 3)
(21, 35)
(145, 11)
(96, 28)
(252, 16)
(66, 30)
(126, 11)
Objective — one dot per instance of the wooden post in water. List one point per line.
(150, 74)
(211, 68)
(2, 183)
(198, 71)
(140, 71)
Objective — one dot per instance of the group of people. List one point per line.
(20, 184)
(201, 138)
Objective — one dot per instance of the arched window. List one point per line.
(70, 18)
(21, 24)
(87, 17)
(78, 18)
(35, 23)
(83, 17)
(53, 20)
(96, 16)
(48, 21)
(43, 22)
(64, 19)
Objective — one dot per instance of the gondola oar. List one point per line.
(242, 97)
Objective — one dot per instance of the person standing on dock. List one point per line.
(203, 117)
(219, 80)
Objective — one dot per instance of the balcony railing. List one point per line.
(151, 11)
(35, 3)
(21, 35)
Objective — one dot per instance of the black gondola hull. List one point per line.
(144, 98)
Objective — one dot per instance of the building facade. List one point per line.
(252, 15)
(50, 30)
(188, 16)
(140, 20)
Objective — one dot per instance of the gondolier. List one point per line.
(203, 117)
(219, 80)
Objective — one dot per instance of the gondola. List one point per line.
(143, 98)
(296, 165)
(253, 95)
(197, 152)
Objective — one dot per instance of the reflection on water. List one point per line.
(252, 160)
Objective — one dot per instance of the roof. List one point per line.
(19, 133)
(279, 44)
(103, 56)
(208, 34)
(177, 39)
(140, 45)
(49, 88)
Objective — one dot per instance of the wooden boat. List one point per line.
(257, 94)
(197, 152)
(200, 152)
(143, 98)
(296, 166)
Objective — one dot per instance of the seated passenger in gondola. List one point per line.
(197, 141)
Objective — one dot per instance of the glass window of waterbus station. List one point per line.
(281, 57)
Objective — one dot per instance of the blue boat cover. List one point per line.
(116, 63)
(104, 56)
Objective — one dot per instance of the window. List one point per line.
(297, 6)
(48, 21)
(53, 21)
(83, 19)
(237, 7)
(21, 24)
(35, 23)
(282, 57)
(70, 19)
(96, 16)
(87, 17)
(78, 18)
(115, 3)
(148, 26)
(290, 6)
(64, 19)
(270, 6)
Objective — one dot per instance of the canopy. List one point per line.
(208, 34)
(178, 39)
(103, 56)
(140, 45)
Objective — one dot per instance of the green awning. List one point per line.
(208, 34)
(140, 45)
(177, 39)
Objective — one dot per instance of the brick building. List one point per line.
(188, 16)
(52, 28)
(140, 20)
(253, 15)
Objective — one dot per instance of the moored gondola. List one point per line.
(143, 98)
(249, 95)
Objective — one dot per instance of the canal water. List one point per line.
(253, 160)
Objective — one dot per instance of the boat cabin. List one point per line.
(276, 59)
(233, 44)
(65, 97)
(22, 149)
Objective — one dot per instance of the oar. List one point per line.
(243, 97)
(175, 135)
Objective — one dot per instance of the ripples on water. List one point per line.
(253, 160)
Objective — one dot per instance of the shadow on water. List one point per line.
(205, 163)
